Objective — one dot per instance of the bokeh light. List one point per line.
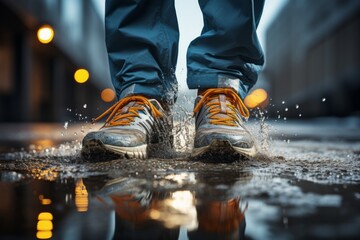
(44, 225)
(108, 95)
(81, 75)
(45, 34)
(45, 216)
(81, 196)
(257, 98)
(44, 234)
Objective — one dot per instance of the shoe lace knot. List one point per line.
(222, 104)
(124, 112)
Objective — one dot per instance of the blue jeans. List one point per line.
(142, 41)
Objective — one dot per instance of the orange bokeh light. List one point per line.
(256, 98)
(108, 95)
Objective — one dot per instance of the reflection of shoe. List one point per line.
(221, 216)
(134, 123)
(219, 125)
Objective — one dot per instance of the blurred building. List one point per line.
(313, 58)
(37, 80)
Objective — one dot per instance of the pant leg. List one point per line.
(228, 53)
(142, 43)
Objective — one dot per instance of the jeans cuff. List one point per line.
(206, 80)
(165, 93)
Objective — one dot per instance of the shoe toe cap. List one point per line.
(205, 137)
(116, 138)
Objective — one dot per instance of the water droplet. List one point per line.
(300, 115)
(323, 100)
(288, 141)
(285, 220)
(283, 102)
(284, 118)
(75, 134)
(279, 116)
(66, 125)
(85, 105)
(348, 155)
(286, 109)
(62, 134)
(297, 106)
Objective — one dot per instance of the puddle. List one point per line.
(297, 188)
(177, 205)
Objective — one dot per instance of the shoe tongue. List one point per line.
(222, 100)
(126, 108)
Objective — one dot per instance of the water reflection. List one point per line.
(183, 205)
(44, 225)
(81, 196)
(171, 204)
(163, 216)
(163, 212)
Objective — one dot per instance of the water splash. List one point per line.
(66, 152)
(260, 130)
(183, 130)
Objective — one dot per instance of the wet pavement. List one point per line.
(304, 184)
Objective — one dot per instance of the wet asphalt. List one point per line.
(304, 184)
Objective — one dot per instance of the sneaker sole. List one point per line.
(223, 148)
(98, 151)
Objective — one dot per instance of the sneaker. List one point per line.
(133, 125)
(219, 129)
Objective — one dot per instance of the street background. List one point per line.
(311, 49)
(305, 116)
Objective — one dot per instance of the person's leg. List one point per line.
(228, 53)
(223, 64)
(142, 42)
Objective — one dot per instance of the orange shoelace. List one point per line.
(119, 118)
(215, 106)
